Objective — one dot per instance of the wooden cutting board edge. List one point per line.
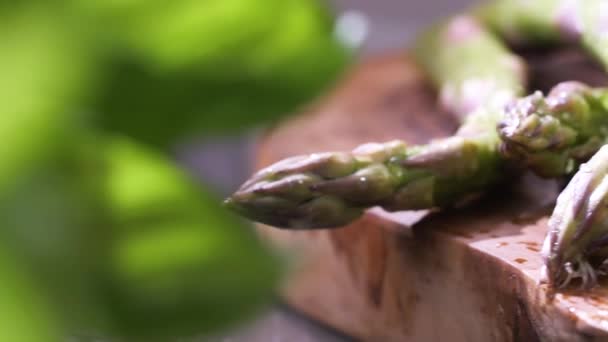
(457, 276)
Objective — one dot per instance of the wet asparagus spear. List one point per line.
(553, 134)
(456, 56)
(577, 242)
(332, 189)
(538, 22)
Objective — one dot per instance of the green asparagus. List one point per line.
(332, 189)
(553, 134)
(548, 22)
(469, 65)
(577, 241)
(479, 80)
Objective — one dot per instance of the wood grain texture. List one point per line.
(464, 275)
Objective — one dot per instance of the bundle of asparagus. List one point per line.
(482, 82)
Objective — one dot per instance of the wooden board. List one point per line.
(463, 275)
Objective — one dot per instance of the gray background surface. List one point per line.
(224, 162)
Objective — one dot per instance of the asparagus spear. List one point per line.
(534, 22)
(553, 134)
(577, 242)
(455, 53)
(332, 189)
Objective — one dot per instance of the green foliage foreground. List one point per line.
(102, 234)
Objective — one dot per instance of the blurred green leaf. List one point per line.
(25, 316)
(43, 68)
(180, 264)
(46, 71)
(98, 236)
(52, 221)
(162, 110)
(197, 67)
